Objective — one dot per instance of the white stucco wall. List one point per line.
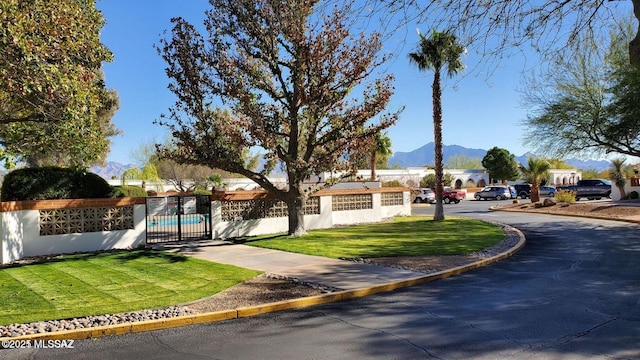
(325, 220)
(13, 232)
(21, 237)
(21, 230)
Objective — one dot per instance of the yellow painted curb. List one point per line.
(135, 327)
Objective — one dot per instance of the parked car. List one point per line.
(547, 191)
(452, 195)
(493, 192)
(425, 195)
(513, 192)
(523, 190)
(592, 189)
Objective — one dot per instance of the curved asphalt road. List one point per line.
(573, 292)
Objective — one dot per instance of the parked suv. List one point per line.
(493, 192)
(592, 189)
(425, 195)
(523, 190)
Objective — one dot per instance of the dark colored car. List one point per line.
(493, 192)
(592, 189)
(523, 190)
(547, 191)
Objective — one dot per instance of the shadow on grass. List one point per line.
(250, 239)
(151, 254)
(122, 255)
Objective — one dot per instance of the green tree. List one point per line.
(501, 164)
(463, 162)
(288, 73)
(380, 151)
(586, 103)
(148, 174)
(429, 180)
(50, 56)
(79, 142)
(590, 173)
(556, 163)
(216, 182)
(624, 91)
(534, 173)
(440, 50)
(618, 173)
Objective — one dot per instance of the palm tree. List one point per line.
(618, 174)
(149, 173)
(535, 171)
(435, 52)
(381, 149)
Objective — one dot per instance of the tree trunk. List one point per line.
(295, 208)
(437, 139)
(372, 164)
(634, 45)
(535, 191)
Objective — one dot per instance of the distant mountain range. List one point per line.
(111, 170)
(425, 155)
(418, 157)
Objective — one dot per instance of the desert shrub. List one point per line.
(633, 195)
(129, 191)
(392, 183)
(53, 182)
(565, 196)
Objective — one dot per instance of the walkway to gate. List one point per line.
(176, 218)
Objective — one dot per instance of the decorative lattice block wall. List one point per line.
(263, 209)
(392, 198)
(352, 202)
(81, 220)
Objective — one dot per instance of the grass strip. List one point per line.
(110, 282)
(404, 236)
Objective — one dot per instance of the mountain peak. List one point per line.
(424, 155)
(111, 170)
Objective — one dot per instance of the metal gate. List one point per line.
(176, 218)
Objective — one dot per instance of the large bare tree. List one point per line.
(285, 76)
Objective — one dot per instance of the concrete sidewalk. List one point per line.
(339, 274)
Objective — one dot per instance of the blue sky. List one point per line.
(479, 111)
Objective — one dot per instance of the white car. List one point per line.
(425, 195)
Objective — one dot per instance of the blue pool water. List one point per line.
(173, 221)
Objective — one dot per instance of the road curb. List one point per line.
(212, 317)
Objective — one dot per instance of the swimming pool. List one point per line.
(173, 220)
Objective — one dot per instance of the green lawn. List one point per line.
(405, 236)
(109, 282)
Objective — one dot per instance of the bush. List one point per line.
(53, 182)
(393, 183)
(128, 191)
(565, 196)
(633, 195)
